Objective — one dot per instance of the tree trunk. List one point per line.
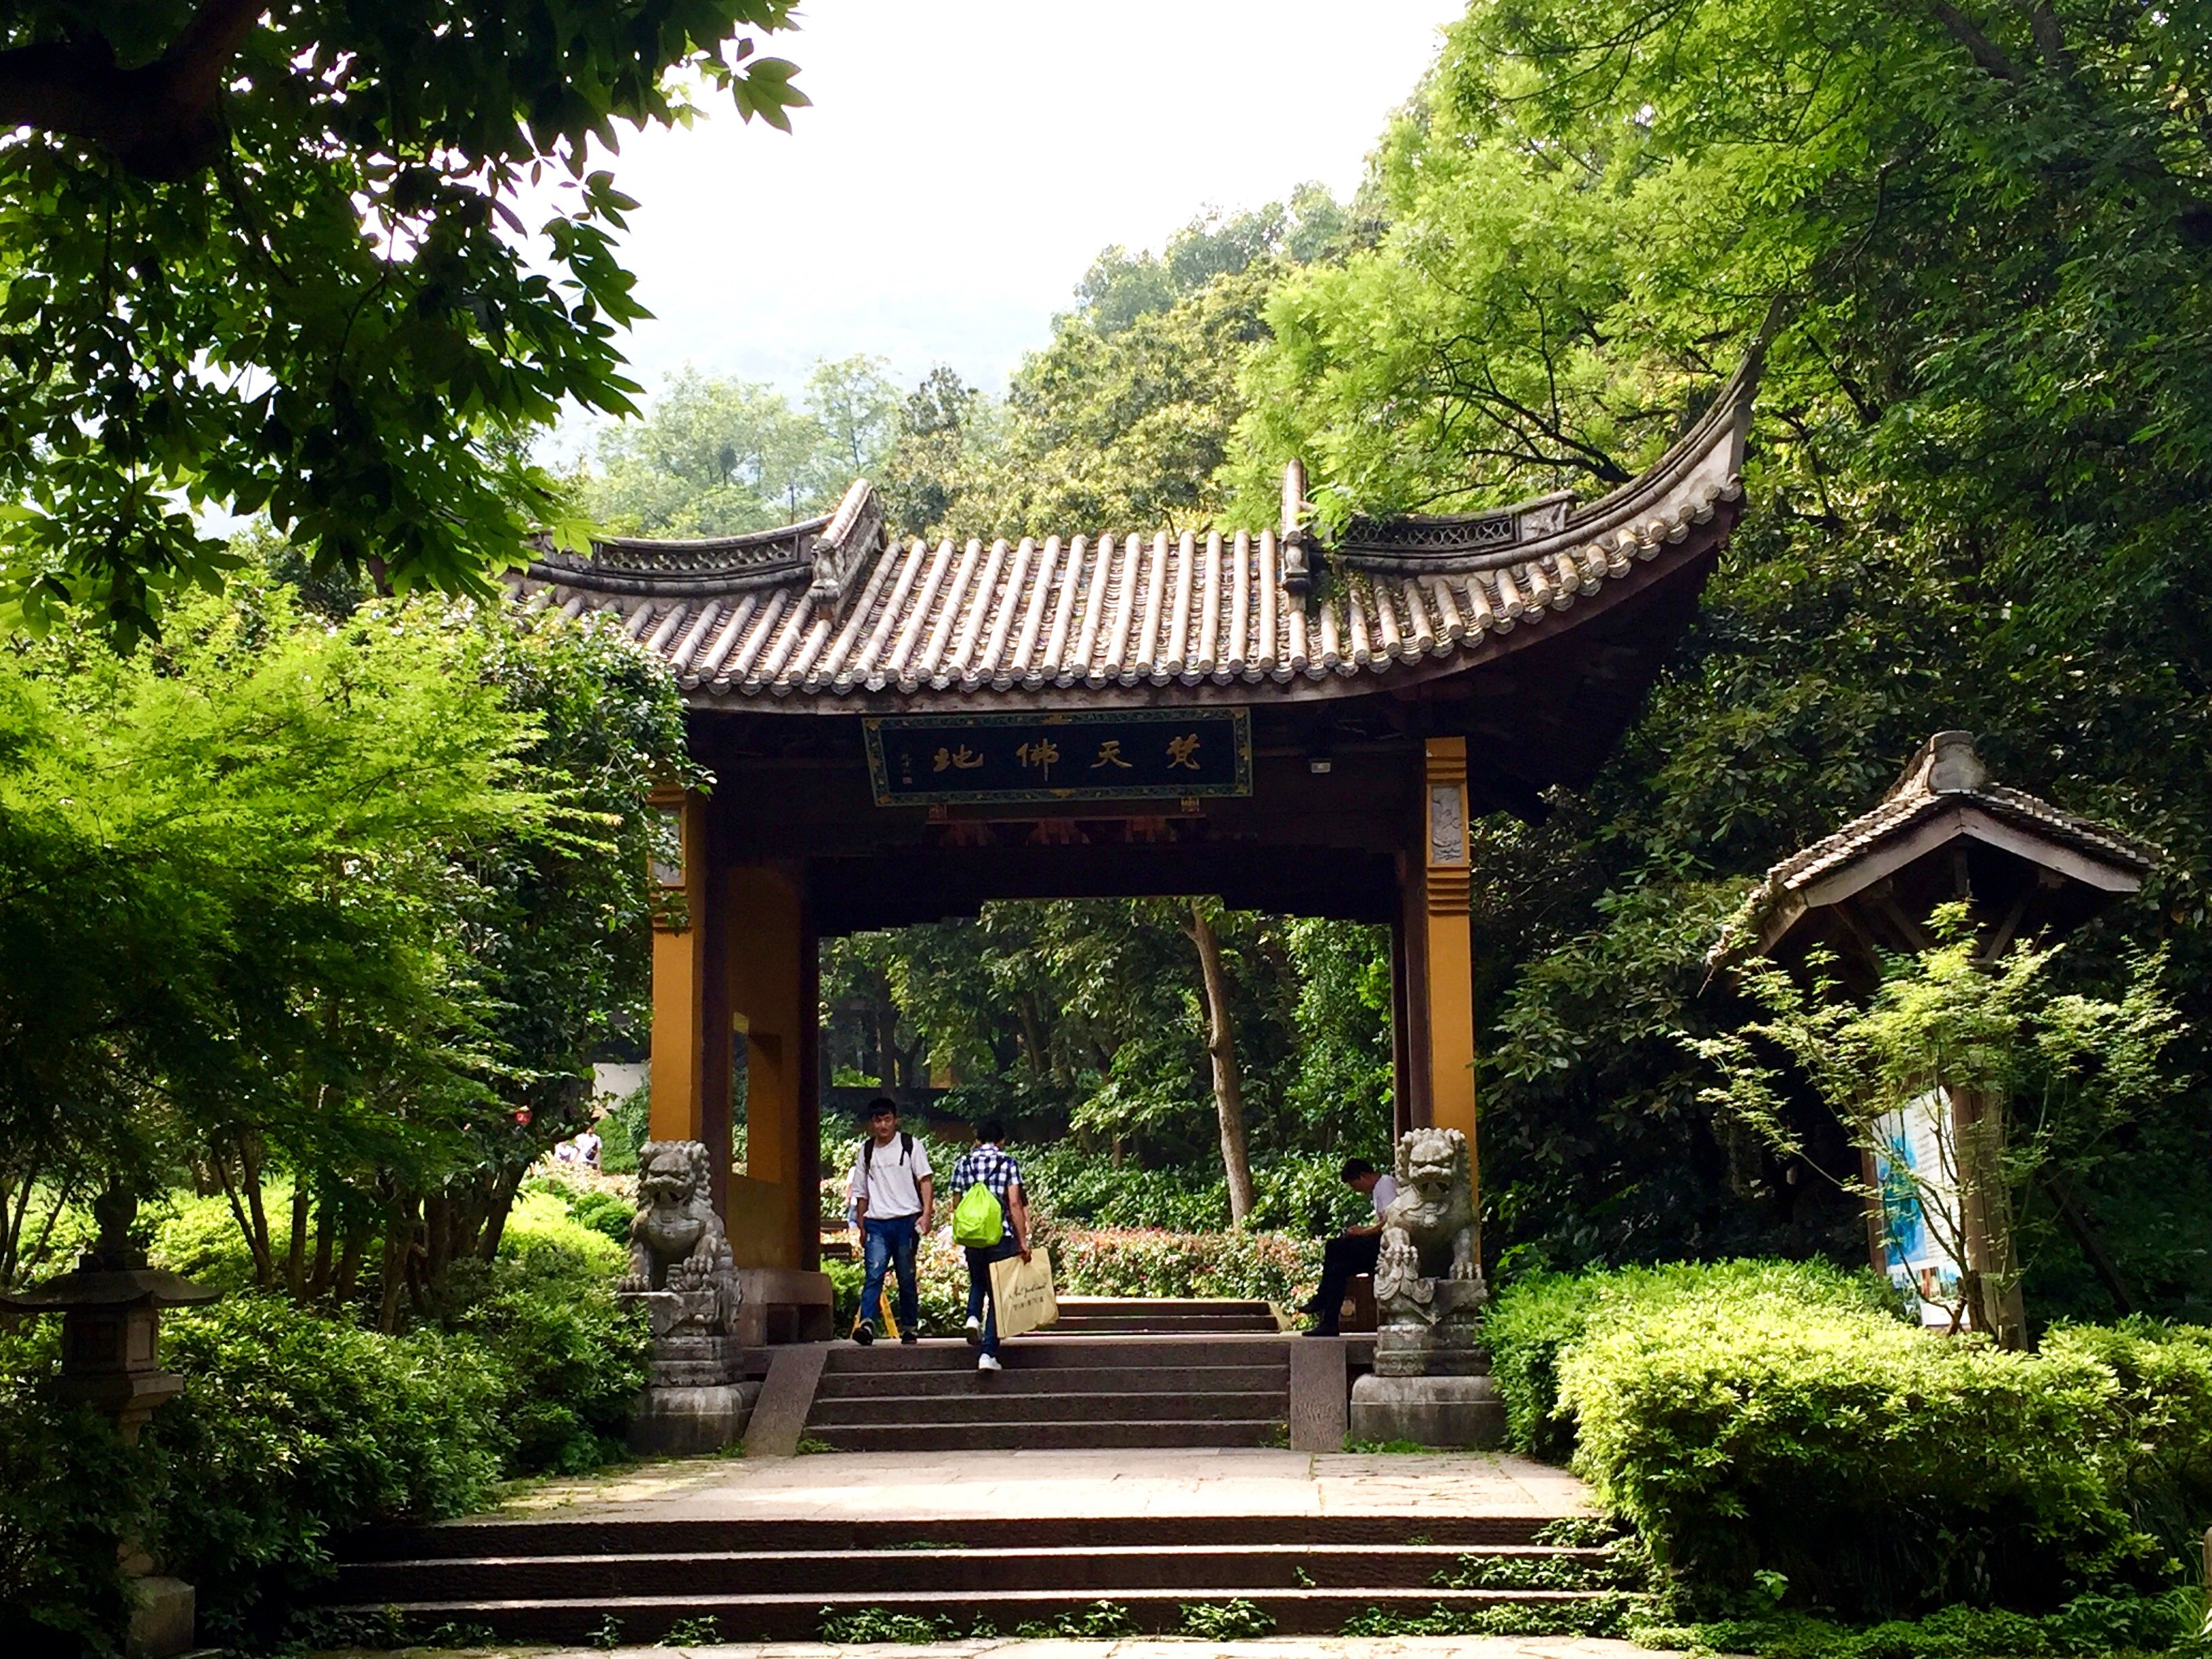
(295, 1247)
(1985, 1207)
(1221, 1048)
(326, 1222)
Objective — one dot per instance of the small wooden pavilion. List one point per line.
(900, 732)
(1947, 832)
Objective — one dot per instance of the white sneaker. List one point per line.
(989, 1361)
(974, 1330)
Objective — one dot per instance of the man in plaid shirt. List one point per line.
(997, 1171)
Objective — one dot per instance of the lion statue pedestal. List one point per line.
(682, 1273)
(1431, 1380)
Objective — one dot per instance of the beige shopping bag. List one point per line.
(1022, 1292)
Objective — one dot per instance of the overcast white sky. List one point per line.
(964, 161)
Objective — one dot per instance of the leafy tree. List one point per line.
(857, 409)
(1122, 430)
(233, 925)
(346, 905)
(1121, 286)
(1970, 242)
(942, 423)
(710, 457)
(267, 259)
(1124, 420)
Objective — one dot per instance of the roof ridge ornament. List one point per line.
(846, 545)
(1301, 557)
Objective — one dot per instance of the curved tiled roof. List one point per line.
(831, 611)
(1945, 773)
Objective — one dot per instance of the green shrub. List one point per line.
(199, 1238)
(2088, 1627)
(1753, 1421)
(1529, 1323)
(1237, 1620)
(1298, 1192)
(1109, 1263)
(2164, 1462)
(69, 1490)
(569, 1357)
(623, 1128)
(546, 1213)
(293, 1428)
(601, 1210)
(1536, 1318)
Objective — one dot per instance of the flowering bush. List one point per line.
(1143, 1261)
(1109, 1261)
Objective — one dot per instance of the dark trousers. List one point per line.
(1345, 1259)
(979, 1299)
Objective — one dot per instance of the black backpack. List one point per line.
(868, 1153)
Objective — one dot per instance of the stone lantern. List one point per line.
(111, 1309)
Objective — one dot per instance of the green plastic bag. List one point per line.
(977, 1221)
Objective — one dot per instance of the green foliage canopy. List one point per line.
(1971, 243)
(715, 457)
(268, 259)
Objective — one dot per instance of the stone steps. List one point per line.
(564, 1580)
(1162, 1316)
(561, 1535)
(1060, 1392)
(802, 1618)
(1021, 1377)
(987, 1404)
(1051, 1434)
(1078, 1571)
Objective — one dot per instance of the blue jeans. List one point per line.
(979, 1299)
(890, 1243)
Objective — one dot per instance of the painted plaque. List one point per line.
(1144, 754)
(1923, 1212)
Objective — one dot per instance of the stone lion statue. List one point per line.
(1428, 1230)
(677, 1241)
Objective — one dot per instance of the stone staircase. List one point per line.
(1162, 1316)
(1056, 1393)
(572, 1581)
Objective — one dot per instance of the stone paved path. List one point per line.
(929, 1485)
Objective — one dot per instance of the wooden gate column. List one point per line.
(1448, 955)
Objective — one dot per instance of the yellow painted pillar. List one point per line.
(1449, 948)
(679, 976)
(773, 1216)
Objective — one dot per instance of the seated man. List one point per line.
(1354, 1253)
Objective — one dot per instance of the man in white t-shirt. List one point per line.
(588, 1148)
(894, 1201)
(1355, 1250)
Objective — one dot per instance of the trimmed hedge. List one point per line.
(1762, 1418)
(1536, 1318)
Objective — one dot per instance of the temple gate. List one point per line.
(900, 734)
